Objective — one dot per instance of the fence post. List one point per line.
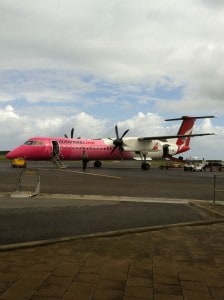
(214, 187)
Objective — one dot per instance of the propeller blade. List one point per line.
(72, 133)
(122, 154)
(112, 151)
(126, 131)
(118, 142)
(117, 134)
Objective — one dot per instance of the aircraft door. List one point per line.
(165, 150)
(55, 148)
(169, 150)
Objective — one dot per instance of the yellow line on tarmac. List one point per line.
(87, 173)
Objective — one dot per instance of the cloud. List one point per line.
(124, 40)
(143, 125)
(18, 128)
(217, 5)
(88, 126)
(9, 113)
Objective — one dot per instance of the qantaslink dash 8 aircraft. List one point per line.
(143, 149)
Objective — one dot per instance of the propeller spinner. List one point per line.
(118, 142)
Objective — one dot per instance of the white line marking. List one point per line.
(88, 173)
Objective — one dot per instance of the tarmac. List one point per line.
(180, 261)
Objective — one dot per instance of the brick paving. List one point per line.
(173, 263)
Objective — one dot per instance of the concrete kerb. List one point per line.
(204, 206)
(11, 247)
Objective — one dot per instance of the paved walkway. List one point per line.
(183, 262)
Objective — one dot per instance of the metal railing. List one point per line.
(28, 184)
(218, 185)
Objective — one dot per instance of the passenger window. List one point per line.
(28, 143)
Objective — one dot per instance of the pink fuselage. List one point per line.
(41, 148)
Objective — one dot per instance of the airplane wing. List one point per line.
(165, 137)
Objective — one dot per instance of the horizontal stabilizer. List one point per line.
(186, 117)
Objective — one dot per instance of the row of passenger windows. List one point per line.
(40, 143)
(89, 148)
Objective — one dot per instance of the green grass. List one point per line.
(2, 156)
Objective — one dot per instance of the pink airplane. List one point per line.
(143, 149)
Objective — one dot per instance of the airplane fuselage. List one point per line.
(42, 148)
(119, 148)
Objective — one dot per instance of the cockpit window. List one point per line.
(28, 143)
(38, 143)
(34, 143)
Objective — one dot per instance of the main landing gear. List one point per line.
(145, 166)
(97, 164)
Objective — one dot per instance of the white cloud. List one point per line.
(143, 125)
(89, 126)
(8, 113)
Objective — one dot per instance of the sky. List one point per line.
(94, 64)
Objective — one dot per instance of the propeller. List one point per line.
(118, 142)
(72, 134)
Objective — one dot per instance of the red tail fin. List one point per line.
(186, 128)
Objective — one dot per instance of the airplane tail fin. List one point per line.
(186, 128)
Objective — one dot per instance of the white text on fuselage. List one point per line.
(78, 142)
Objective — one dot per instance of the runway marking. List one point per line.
(106, 198)
(92, 174)
(88, 173)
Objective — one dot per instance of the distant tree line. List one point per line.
(3, 152)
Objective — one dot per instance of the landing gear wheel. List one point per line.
(97, 164)
(145, 166)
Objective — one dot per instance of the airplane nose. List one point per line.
(13, 154)
(9, 155)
